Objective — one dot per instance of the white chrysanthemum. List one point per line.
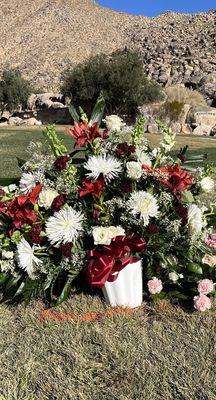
(145, 204)
(26, 258)
(207, 184)
(64, 226)
(46, 198)
(195, 219)
(27, 182)
(114, 123)
(108, 166)
(134, 170)
(143, 157)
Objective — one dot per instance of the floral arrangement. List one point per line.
(112, 200)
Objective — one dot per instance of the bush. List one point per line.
(184, 95)
(120, 76)
(171, 110)
(14, 90)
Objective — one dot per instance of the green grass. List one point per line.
(164, 353)
(13, 143)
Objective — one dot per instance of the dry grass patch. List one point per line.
(164, 353)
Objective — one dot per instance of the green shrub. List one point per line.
(14, 90)
(120, 77)
(171, 110)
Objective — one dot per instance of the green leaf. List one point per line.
(12, 282)
(73, 112)
(3, 278)
(187, 196)
(98, 111)
(65, 292)
(8, 181)
(74, 152)
(195, 268)
(20, 161)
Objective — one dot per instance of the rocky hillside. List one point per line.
(42, 37)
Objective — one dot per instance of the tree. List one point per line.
(14, 90)
(120, 77)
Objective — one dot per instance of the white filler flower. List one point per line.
(46, 198)
(26, 258)
(108, 166)
(64, 226)
(195, 219)
(145, 204)
(114, 123)
(207, 184)
(27, 182)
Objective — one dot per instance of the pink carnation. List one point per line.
(205, 286)
(155, 286)
(211, 241)
(202, 302)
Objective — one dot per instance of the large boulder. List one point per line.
(202, 115)
(208, 86)
(45, 101)
(202, 130)
(31, 122)
(15, 121)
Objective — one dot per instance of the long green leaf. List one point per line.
(65, 292)
(98, 111)
(73, 112)
(8, 181)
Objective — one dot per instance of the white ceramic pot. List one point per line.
(126, 290)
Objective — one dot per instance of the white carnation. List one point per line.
(207, 184)
(27, 182)
(134, 170)
(195, 219)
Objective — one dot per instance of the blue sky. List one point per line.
(154, 7)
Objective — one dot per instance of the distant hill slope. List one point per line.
(42, 37)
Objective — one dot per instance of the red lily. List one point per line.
(20, 209)
(94, 188)
(84, 133)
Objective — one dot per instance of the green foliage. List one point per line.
(120, 77)
(59, 149)
(14, 90)
(171, 110)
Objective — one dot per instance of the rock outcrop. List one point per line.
(43, 37)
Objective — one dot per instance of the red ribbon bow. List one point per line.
(105, 262)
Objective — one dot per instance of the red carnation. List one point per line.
(58, 202)
(35, 234)
(61, 163)
(66, 249)
(94, 188)
(124, 149)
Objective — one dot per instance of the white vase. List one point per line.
(126, 290)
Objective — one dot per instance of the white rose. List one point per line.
(114, 123)
(46, 198)
(116, 231)
(7, 255)
(134, 170)
(207, 184)
(195, 219)
(101, 235)
(173, 276)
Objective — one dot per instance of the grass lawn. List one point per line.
(160, 353)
